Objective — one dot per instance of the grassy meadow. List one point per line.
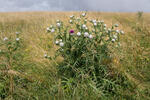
(32, 77)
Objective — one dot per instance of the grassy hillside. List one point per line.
(29, 76)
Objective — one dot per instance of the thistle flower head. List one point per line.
(51, 26)
(90, 36)
(17, 33)
(113, 40)
(56, 42)
(45, 55)
(52, 30)
(17, 39)
(84, 26)
(83, 14)
(122, 32)
(115, 36)
(105, 25)
(94, 21)
(116, 25)
(48, 29)
(60, 40)
(86, 34)
(95, 24)
(70, 21)
(109, 30)
(79, 33)
(58, 24)
(61, 44)
(117, 31)
(71, 32)
(58, 21)
(72, 16)
(5, 39)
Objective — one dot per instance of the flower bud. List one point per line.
(78, 34)
(61, 44)
(86, 34)
(17, 39)
(5, 39)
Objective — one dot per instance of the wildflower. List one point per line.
(58, 24)
(116, 25)
(52, 30)
(71, 32)
(95, 24)
(105, 25)
(84, 26)
(58, 21)
(5, 39)
(56, 42)
(122, 32)
(70, 21)
(115, 36)
(83, 14)
(17, 39)
(109, 30)
(61, 44)
(90, 36)
(117, 31)
(94, 21)
(72, 16)
(45, 55)
(78, 18)
(51, 26)
(86, 34)
(113, 40)
(17, 32)
(78, 34)
(48, 29)
(60, 40)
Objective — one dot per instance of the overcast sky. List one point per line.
(75, 5)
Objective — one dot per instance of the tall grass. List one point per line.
(34, 77)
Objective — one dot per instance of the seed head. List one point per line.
(117, 31)
(78, 34)
(17, 39)
(17, 32)
(56, 42)
(113, 40)
(83, 14)
(122, 32)
(61, 44)
(86, 34)
(5, 39)
(90, 36)
(52, 30)
(58, 24)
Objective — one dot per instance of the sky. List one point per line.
(75, 5)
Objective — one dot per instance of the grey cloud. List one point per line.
(75, 5)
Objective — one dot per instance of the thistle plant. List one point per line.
(8, 50)
(84, 46)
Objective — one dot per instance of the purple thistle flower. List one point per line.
(71, 32)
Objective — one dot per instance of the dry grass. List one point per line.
(32, 26)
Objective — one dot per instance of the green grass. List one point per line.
(36, 78)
